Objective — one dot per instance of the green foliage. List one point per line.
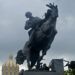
(69, 72)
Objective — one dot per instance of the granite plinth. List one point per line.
(42, 73)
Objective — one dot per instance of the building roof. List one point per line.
(10, 63)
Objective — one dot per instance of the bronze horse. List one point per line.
(40, 39)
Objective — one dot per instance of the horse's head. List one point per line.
(20, 57)
(53, 10)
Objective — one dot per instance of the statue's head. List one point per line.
(28, 14)
(20, 57)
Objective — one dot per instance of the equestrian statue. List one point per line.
(41, 35)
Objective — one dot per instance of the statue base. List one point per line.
(57, 68)
(41, 73)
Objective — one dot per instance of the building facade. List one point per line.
(10, 67)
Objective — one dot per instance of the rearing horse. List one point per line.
(40, 39)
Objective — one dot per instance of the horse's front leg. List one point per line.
(28, 59)
(28, 63)
(44, 52)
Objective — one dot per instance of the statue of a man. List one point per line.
(31, 22)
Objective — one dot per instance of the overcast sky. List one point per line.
(12, 21)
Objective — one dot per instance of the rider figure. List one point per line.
(31, 22)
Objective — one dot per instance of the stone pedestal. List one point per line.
(57, 66)
(42, 73)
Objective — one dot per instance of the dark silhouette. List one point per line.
(21, 72)
(71, 65)
(41, 35)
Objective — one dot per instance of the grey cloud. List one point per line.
(12, 20)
